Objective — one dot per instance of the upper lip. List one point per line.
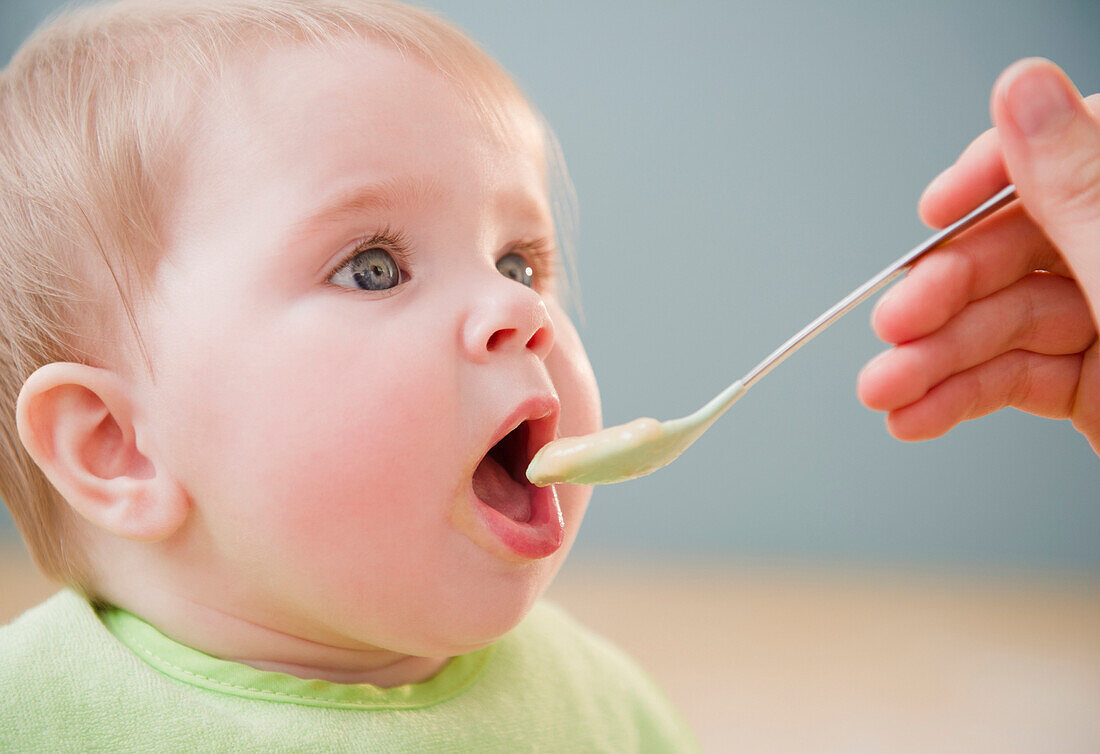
(541, 413)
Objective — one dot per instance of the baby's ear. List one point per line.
(77, 423)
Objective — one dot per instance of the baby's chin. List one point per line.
(462, 623)
(492, 607)
(454, 640)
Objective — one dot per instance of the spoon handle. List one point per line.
(872, 286)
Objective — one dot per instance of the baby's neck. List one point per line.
(406, 669)
(222, 634)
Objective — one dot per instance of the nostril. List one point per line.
(498, 338)
(539, 340)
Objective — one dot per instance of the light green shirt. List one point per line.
(75, 680)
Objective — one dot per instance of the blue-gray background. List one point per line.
(740, 166)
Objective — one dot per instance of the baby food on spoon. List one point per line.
(626, 451)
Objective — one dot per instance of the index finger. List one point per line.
(993, 255)
(976, 175)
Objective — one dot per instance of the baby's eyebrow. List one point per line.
(385, 194)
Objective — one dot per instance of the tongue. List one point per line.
(499, 491)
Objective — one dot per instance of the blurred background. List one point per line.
(798, 580)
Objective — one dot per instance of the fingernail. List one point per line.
(1038, 101)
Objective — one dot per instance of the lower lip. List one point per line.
(538, 537)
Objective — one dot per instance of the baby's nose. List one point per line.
(507, 316)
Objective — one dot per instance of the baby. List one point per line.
(281, 331)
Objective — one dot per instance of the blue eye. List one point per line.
(515, 266)
(374, 269)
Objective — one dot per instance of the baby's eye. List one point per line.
(372, 269)
(515, 266)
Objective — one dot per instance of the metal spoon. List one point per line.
(640, 447)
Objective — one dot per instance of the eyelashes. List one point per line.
(540, 254)
(393, 241)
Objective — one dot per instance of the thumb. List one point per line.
(1051, 147)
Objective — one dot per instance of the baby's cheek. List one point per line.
(362, 480)
(381, 430)
(348, 435)
(573, 378)
(580, 412)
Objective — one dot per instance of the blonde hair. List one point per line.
(93, 112)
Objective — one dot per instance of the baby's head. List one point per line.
(280, 275)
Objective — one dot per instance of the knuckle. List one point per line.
(1028, 315)
(1077, 188)
(974, 388)
(1021, 386)
(970, 272)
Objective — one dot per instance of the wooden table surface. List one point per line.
(786, 659)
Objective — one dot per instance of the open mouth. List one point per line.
(508, 516)
(500, 480)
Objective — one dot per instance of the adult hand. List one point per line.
(1006, 314)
